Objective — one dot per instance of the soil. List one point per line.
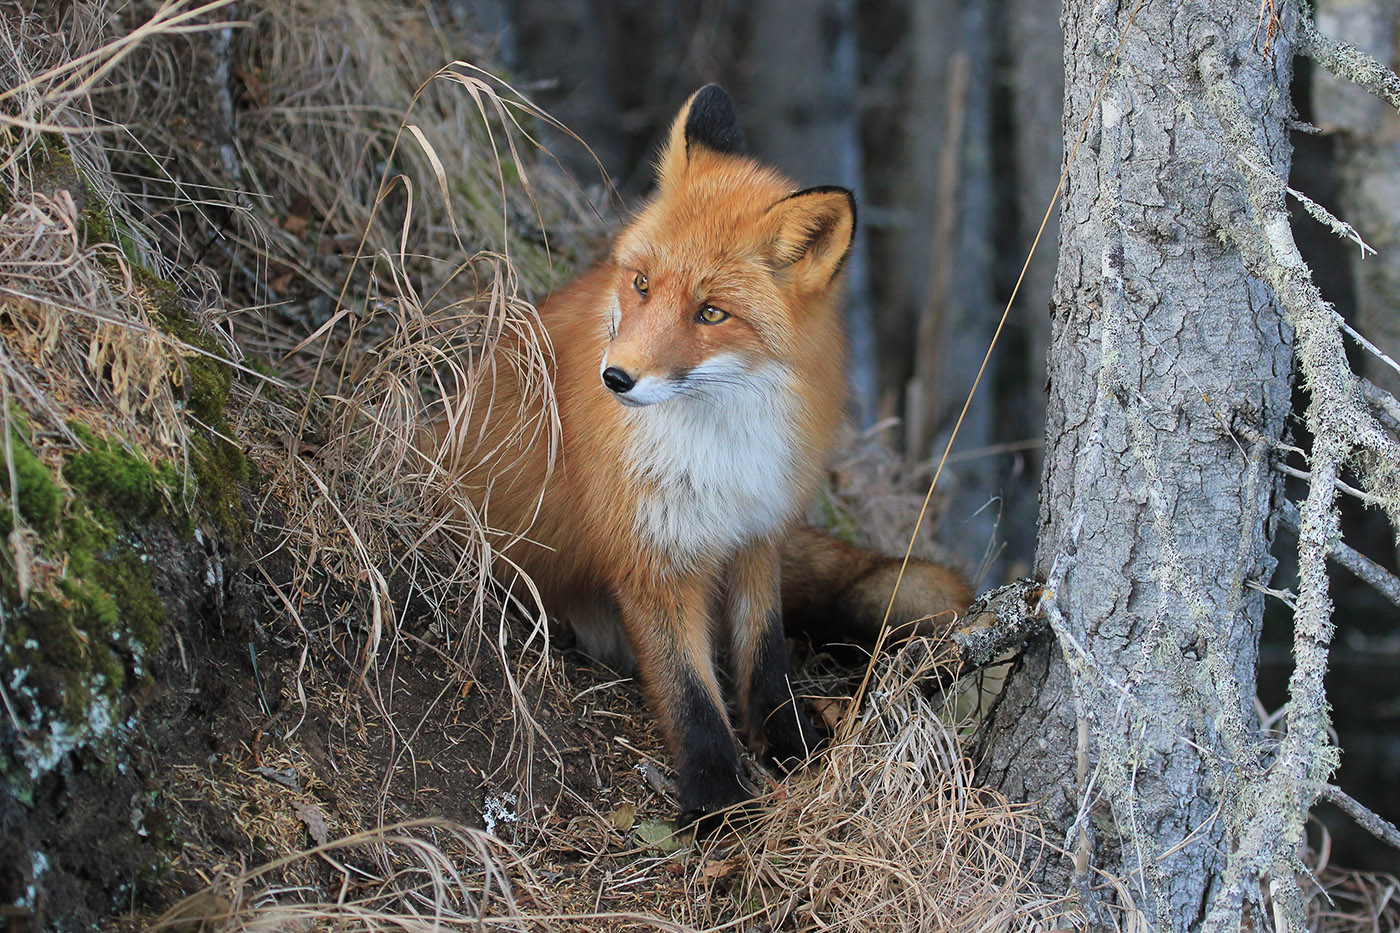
(96, 818)
(248, 747)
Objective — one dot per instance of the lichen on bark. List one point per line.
(1154, 512)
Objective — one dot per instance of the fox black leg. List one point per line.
(774, 712)
(773, 716)
(668, 625)
(707, 762)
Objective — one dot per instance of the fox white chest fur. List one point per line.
(714, 463)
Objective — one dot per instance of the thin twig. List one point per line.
(1334, 223)
(1342, 485)
(1375, 351)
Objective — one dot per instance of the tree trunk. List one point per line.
(1168, 365)
(799, 110)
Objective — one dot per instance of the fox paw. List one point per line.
(706, 822)
(794, 757)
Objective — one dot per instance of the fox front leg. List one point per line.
(668, 625)
(758, 654)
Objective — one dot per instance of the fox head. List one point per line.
(728, 272)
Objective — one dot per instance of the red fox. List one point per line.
(698, 373)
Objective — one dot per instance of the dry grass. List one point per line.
(889, 833)
(422, 875)
(1344, 901)
(357, 234)
(374, 228)
(79, 338)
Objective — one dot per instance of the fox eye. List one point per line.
(640, 284)
(709, 314)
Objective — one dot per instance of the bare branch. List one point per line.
(1349, 63)
(1376, 825)
(1361, 566)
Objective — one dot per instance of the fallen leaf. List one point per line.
(624, 816)
(831, 710)
(315, 821)
(658, 835)
(287, 777)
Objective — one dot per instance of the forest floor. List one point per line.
(255, 679)
(241, 268)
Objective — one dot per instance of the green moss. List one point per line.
(98, 226)
(37, 496)
(207, 391)
(79, 640)
(78, 636)
(221, 472)
(122, 484)
(207, 379)
(219, 467)
(128, 580)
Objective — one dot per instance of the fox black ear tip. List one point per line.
(714, 92)
(713, 122)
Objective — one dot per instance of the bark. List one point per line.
(1133, 726)
(799, 109)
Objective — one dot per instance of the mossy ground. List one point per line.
(82, 616)
(219, 468)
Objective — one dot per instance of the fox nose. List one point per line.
(618, 380)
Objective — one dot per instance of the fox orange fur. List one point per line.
(699, 378)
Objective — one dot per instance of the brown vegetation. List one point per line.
(240, 262)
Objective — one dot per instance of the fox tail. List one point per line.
(836, 593)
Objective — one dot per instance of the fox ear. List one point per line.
(708, 121)
(811, 234)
